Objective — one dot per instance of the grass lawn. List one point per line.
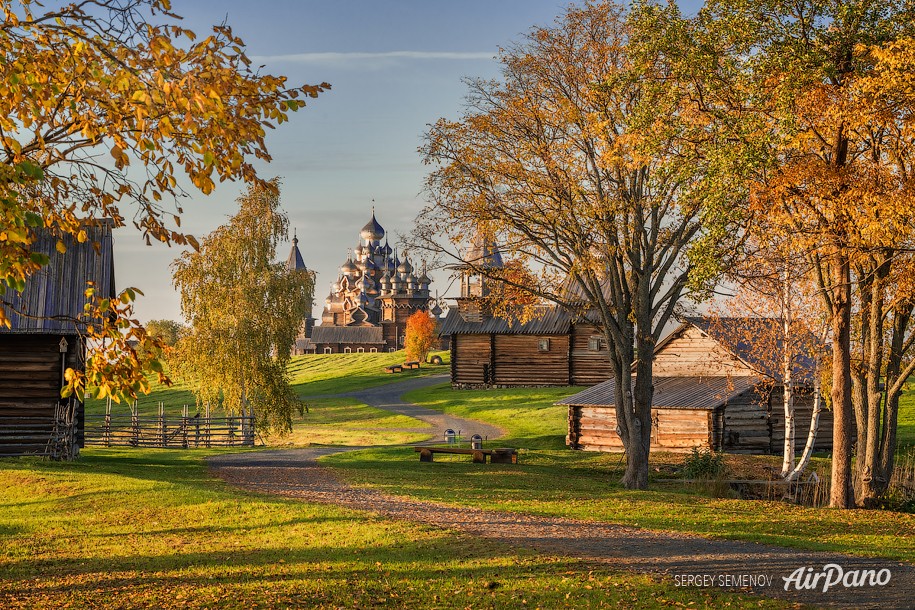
(310, 375)
(555, 481)
(147, 528)
(348, 422)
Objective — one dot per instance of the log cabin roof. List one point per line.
(550, 321)
(295, 261)
(347, 334)
(54, 296)
(671, 392)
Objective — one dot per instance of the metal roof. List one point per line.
(549, 321)
(54, 296)
(347, 334)
(671, 392)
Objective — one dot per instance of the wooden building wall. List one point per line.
(803, 410)
(30, 382)
(593, 428)
(519, 361)
(692, 354)
(588, 367)
(471, 359)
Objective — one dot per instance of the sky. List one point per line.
(395, 66)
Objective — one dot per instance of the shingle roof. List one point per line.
(671, 392)
(551, 321)
(347, 334)
(295, 261)
(55, 295)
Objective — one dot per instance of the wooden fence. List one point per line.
(53, 435)
(184, 432)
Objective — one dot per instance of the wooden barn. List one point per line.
(550, 350)
(707, 395)
(44, 340)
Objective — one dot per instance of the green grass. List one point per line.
(146, 528)
(310, 375)
(554, 481)
(336, 373)
(905, 431)
(348, 422)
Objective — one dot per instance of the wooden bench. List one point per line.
(502, 455)
(411, 365)
(394, 368)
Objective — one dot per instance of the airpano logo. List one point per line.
(833, 575)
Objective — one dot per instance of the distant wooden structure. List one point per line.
(707, 395)
(44, 340)
(552, 349)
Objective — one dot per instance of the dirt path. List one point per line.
(295, 473)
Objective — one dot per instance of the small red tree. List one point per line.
(420, 336)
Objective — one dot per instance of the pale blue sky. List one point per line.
(395, 66)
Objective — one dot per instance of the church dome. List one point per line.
(405, 267)
(348, 267)
(372, 231)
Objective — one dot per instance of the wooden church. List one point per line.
(371, 299)
(709, 393)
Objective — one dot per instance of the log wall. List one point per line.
(519, 361)
(678, 430)
(470, 359)
(588, 367)
(30, 382)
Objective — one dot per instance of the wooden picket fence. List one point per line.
(161, 431)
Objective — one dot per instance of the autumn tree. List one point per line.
(420, 336)
(584, 164)
(776, 310)
(244, 312)
(169, 331)
(105, 106)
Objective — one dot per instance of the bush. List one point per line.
(704, 464)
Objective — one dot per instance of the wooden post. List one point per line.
(207, 427)
(162, 439)
(197, 427)
(184, 422)
(108, 423)
(135, 424)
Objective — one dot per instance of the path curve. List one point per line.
(295, 473)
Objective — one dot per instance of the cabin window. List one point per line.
(347, 350)
(595, 344)
(373, 350)
(328, 350)
(360, 350)
(543, 345)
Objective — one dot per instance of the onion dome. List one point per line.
(372, 231)
(335, 287)
(410, 281)
(424, 279)
(405, 267)
(385, 282)
(436, 310)
(348, 268)
(329, 298)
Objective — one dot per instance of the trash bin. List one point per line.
(450, 436)
(476, 441)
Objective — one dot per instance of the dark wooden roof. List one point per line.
(671, 392)
(347, 334)
(55, 295)
(295, 261)
(550, 321)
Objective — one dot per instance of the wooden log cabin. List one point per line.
(707, 395)
(550, 350)
(44, 339)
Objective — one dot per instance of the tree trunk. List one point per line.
(636, 476)
(788, 389)
(840, 495)
(812, 432)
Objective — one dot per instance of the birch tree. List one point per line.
(244, 311)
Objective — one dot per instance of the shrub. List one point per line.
(704, 464)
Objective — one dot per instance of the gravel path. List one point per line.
(295, 473)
